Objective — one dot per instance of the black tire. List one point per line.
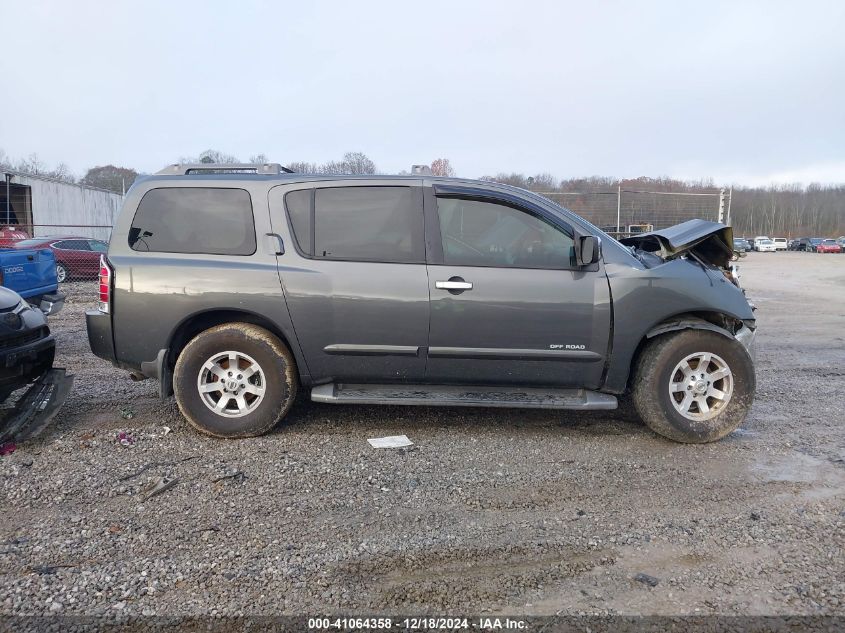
(278, 372)
(652, 375)
(62, 273)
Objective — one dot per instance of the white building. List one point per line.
(42, 206)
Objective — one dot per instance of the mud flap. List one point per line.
(35, 408)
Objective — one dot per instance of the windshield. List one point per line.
(29, 243)
(765, 241)
(815, 240)
(830, 242)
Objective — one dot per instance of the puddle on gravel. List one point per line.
(818, 478)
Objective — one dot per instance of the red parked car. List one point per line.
(828, 246)
(11, 235)
(76, 257)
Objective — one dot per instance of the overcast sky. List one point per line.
(743, 92)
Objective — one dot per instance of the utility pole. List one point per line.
(618, 209)
(730, 199)
(8, 197)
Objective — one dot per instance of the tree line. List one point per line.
(777, 210)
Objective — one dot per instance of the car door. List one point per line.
(354, 277)
(509, 305)
(74, 255)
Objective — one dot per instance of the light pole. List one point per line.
(8, 197)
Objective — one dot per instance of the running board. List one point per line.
(463, 396)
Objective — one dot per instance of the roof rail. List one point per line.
(186, 169)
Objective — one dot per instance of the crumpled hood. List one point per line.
(710, 241)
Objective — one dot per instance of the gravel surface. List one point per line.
(503, 511)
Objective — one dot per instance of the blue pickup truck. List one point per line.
(32, 274)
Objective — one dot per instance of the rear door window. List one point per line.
(198, 220)
(376, 224)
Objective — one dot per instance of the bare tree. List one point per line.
(357, 163)
(353, 163)
(303, 167)
(210, 156)
(442, 167)
(31, 165)
(36, 167)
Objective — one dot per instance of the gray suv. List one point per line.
(237, 286)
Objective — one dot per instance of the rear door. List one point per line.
(509, 305)
(354, 277)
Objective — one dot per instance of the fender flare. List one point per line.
(686, 323)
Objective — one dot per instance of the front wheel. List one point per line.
(694, 386)
(235, 380)
(61, 273)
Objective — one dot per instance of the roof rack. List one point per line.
(186, 169)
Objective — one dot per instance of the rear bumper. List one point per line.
(100, 336)
(34, 409)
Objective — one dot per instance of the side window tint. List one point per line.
(298, 204)
(100, 247)
(477, 233)
(382, 224)
(73, 245)
(207, 220)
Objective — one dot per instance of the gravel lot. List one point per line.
(502, 511)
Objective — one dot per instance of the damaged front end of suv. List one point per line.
(708, 243)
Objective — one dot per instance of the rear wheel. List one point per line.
(61, 273)
(694, 386)
(235, 380)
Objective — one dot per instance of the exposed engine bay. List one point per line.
(709, 243)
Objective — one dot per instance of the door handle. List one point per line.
(453, 284)
(277, 242)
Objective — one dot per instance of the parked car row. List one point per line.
(764, 244)
(818, 245)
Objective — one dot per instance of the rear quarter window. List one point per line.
(196, 220)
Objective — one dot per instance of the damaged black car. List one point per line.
(27, 351)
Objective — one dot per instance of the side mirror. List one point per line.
(586, 250)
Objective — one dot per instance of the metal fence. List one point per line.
(625, 212)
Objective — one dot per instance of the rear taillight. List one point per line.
(105, 286)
